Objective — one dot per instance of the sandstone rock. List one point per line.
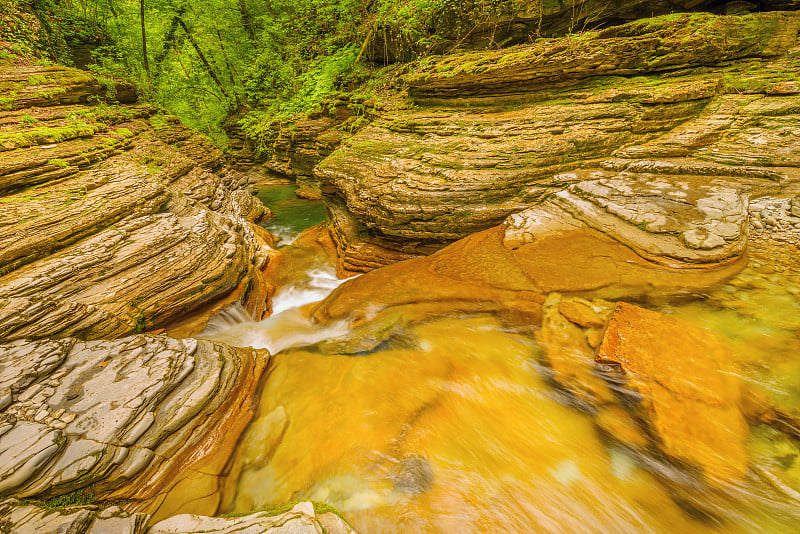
(570, 359)
(21, 518)
(144, 414)
(483, 272)
(689, 394)
(525, 20)
(34, 520)
(643, 46)
(569, 356)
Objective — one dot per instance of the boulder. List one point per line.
(689, 394)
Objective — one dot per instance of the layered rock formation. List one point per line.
(655, 132)
(292, 149)
(300, 519)
(145, 418)
(504, 23)
(115, 218)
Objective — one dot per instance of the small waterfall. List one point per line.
(288, 326)
(318, 284)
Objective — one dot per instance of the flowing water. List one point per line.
(453, 427)
(292, 214)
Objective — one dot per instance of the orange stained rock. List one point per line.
(476, 273)
(479, 273)
(690, 394)
(581, 314)
(589, 263)
(569, 355)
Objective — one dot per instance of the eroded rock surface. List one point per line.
(655, 133)
(301, 519)
(510, 269)
(137, 418)
(115, 218)
(19, 518)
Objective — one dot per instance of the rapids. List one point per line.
(452, 425)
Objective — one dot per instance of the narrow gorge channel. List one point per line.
(438, 267)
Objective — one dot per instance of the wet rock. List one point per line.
(486, 272)
(569, 356)
(662, 163)
(412, 474)
(690, 395)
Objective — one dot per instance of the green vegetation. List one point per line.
(81, 497)
(28, 120)
(49, 134)
(60, 163)
(206, 61)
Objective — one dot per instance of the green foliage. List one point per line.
(417, 27)
(138, 318)
(264, 60)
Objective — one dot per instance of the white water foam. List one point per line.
(318, 284)
(288, 326)
(284, 235)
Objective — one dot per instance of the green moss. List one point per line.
(49, 134)
(7, 101)
(28, 119)
(60, 163)
(81, 497)
(159, 122)
(38, 79)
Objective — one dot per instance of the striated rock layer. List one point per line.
(655, 133)
(115, 219)
(150, 419)
(300, 519)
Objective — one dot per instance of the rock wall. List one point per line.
(115, 218)
(499, 24)
(655, 132)
(291, 149)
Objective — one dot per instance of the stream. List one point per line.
(454, 427)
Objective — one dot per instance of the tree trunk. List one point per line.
(203, 59)
(169, 37)
(144, 38)
(248, 21)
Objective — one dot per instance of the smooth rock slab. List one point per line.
(18, 518)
